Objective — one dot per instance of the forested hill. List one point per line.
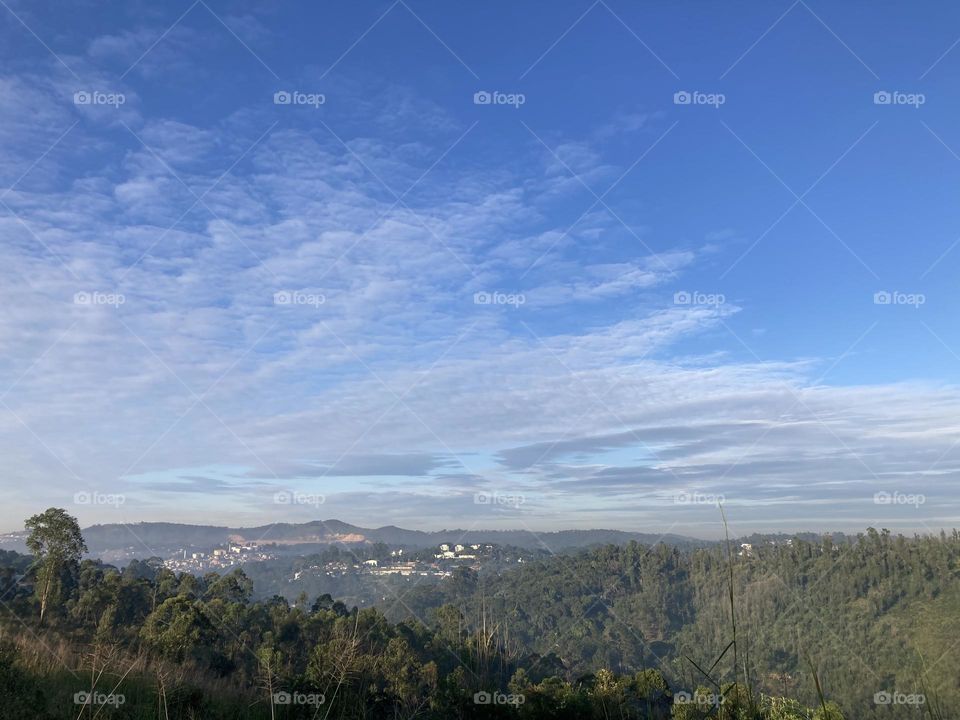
(871, 614)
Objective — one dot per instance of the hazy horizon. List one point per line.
(585, 266)
(710, 531)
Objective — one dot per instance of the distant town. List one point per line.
(436, 562)
(219, 558)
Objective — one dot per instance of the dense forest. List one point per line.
(877, 614)
(819, 631)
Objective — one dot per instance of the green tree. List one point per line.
(57, 545)
(830, 712)
(781, 708)
(234, 587)
(176, 627)
(270, 662)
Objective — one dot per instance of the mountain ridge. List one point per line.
(161, 536)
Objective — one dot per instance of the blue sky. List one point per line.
(388, 300)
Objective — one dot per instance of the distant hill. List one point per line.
(160, 537)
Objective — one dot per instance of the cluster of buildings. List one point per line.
(217, 559)
(746, 549)
(438, 563)
(404, 569)
(460, 552)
